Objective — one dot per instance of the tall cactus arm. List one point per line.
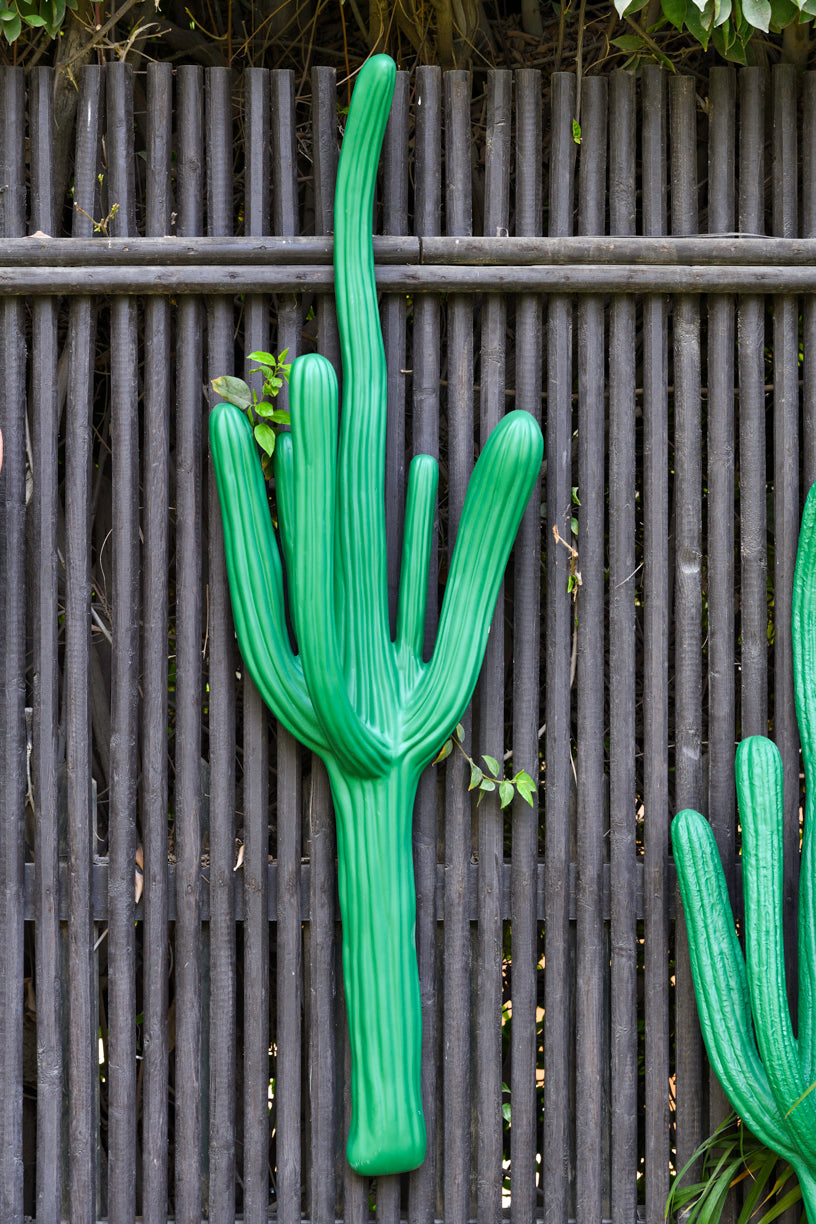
(496, 498)
(420, 507)
(759, 789)
(255, 576)
(720, 982)
(313, 398)
(804, 670)
(361, 504)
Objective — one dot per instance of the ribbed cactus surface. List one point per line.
(767, 1072)
(371, 707)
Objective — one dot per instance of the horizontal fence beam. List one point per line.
(100, 893)
(552, 279)
(40, 251)
(409, 278)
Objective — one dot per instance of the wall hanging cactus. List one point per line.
(766, 1072)
(371, 708)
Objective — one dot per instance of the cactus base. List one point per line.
(378, 909)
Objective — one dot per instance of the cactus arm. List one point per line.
(285, 499)
(255, 577)
(720, 982)
(496, 498)
(313, 397)
(804, 667)
(759, 788)
(367, 646)
(423, 477)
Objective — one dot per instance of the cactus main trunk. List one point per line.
(378, 909)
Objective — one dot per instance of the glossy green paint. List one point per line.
(765, 1070)
(372, 708)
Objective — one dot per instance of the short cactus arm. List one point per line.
(313, 398)
(285, 500)
(720, 982)
(255, 575)
(420, 507)
(496, 498)
(361, 543)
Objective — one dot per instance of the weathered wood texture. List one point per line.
(181, 1051)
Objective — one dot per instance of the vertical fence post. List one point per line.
(125, 673)
(457, 997)
(221, 723)
(12, 656)
(655, 686)
(688, 611)
(721, 574)
(155, 706)
(623, 584)
(83, 1059)
(45, 427)
(526, 649)
(558, 1016)
(590, 970)
(425, 362)
(187, 804)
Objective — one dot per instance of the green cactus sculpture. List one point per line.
(766, 1072)
(371, 708)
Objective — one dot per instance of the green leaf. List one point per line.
(487, 785)
(574, 526)
(460, 732)
(34, 20)
(675, 12)
(695, 26)
(444, 751)
(266, 358)
(266, 437)
(506, 1111)
(11, 27)
(757, 13)
(629, 43)
(576, 131)
(506, 790)
(235, 390)
(278, 416)
(783, 14)
(476, 776)
(282, 357)
(722, 11)
(492, 764)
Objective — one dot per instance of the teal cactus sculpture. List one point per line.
(766, 1072)
(372, 708)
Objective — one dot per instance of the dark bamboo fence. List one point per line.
(647, 294)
